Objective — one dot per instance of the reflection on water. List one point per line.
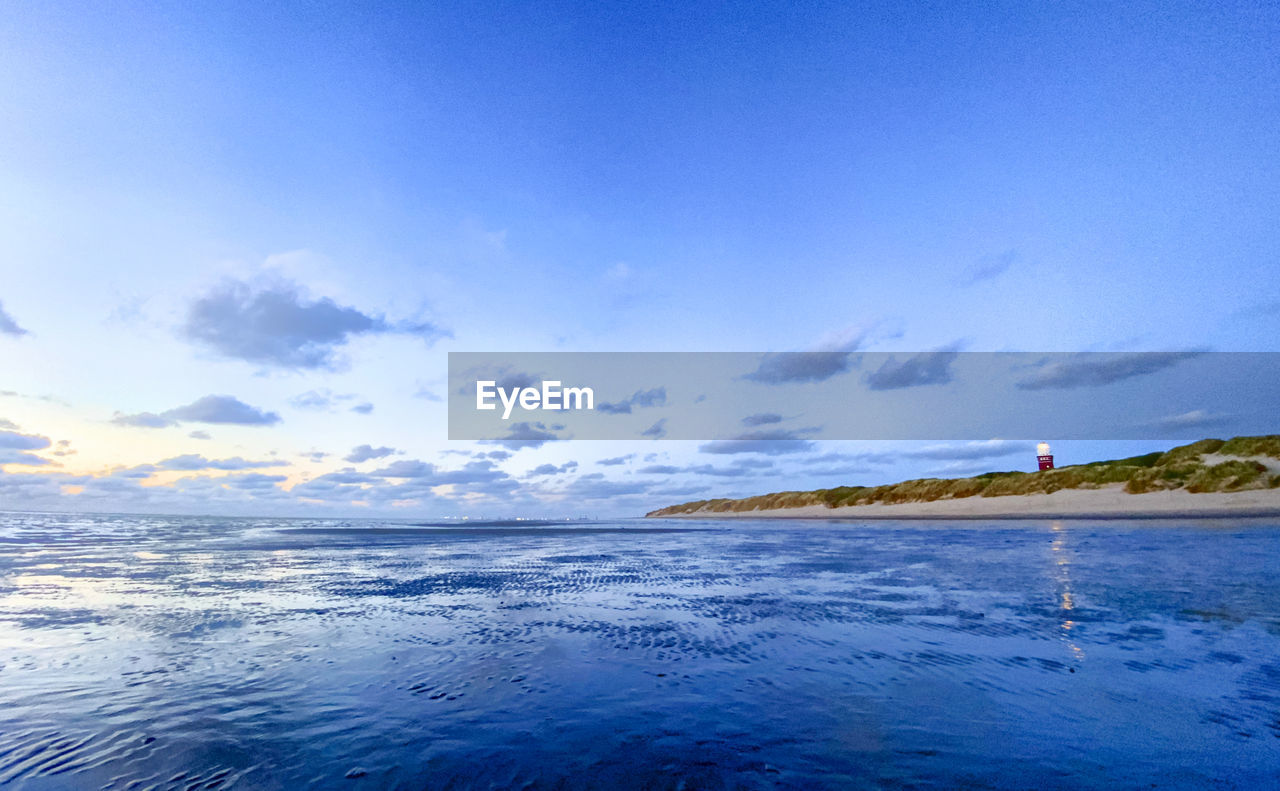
(176, 653)
(1062, 569)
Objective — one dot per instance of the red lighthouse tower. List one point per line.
(1044, 456)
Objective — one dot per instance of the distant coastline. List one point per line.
(1211, 478)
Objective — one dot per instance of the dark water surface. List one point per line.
(179, 653)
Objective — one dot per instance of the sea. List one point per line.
(181, 653)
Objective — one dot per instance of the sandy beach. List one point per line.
(1109, 502)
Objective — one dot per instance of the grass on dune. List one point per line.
(1180, 468)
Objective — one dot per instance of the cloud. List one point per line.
(1195, 419)
(216, 409)
(771, 442)
(406, 468)
(12, 440)
(277, 325)
(927, 368)
(762, 419)
(8, 424)
(735, 470)
(971, 451)
(1096, 370)
(856, 458)
(831, 356)
(679, 491)
(740, 468)
(323, 398)
(14, 447)
(366, 452)
(844, 472)
(988, 268)
(594, 487)
(223, 409)
(659, 469)
(504, 378)
(253, 480)
(346, 476)
(427, 394)
(193, 461)
(641, 398)
(766, 446)
(551, 469)
(475, 476)
(12, 456)
(783, 367)
(657, 430)
(960, 469)
(523, 435)
(141, 420)
(8, 326)
(198, 434)
(616, 460)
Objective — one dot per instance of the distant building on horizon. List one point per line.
(1044, 456)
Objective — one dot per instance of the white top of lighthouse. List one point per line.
(1042, 449)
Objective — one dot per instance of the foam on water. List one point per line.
(178, 653)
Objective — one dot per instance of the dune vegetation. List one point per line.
(1184, 467)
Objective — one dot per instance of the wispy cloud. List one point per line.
(738, 469)
(970, 451)
(1188, 421)
(770, 442)
(1096, 370)
(988, 268)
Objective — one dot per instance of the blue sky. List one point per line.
(405, 181)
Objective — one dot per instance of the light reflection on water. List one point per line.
(178, 653)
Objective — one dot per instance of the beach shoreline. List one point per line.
(1102, 503)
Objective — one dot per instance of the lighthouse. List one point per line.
(1044, 456)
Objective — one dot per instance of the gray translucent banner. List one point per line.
(526, 398)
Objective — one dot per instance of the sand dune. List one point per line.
(1106, 502)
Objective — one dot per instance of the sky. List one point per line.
(239, 239)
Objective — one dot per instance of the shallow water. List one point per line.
(180, 653)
